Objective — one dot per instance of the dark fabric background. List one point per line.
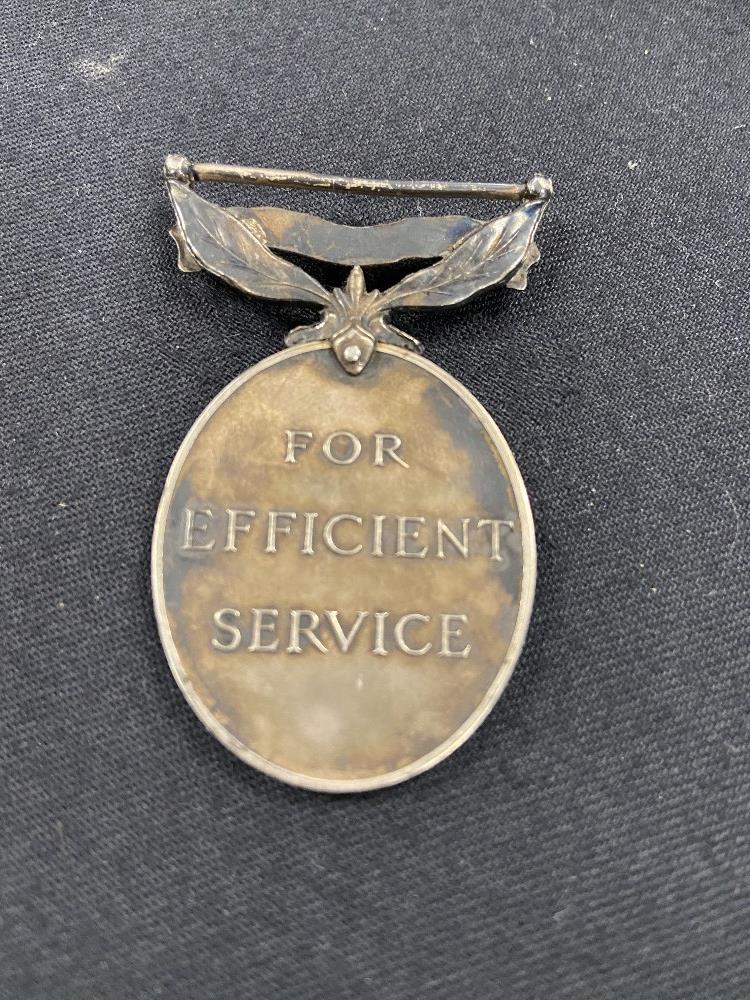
(591, 841)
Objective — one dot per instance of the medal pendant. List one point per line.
(344, 561)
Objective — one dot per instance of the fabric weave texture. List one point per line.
(591, 840)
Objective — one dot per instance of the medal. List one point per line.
(343, 561)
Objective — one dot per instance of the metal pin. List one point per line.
(181, 169)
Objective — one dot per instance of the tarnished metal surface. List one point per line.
(535, 187)
(414, 238)
(235, 246)
(343, 569)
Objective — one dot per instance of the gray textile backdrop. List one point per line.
(591, 841)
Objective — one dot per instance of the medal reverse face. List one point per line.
(343, 568)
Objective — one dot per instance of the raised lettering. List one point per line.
(400, 629)
(495, 534)
(331, 542)
(260, 628)
(382, 449)
(191, 526)
(293, 445)
(345, 639)
(443, 531)
(408, 530)
(307, 545)
(233, 526)
(355, 448)
(377, 534)
(297, 630)
(226, 628)
(379, 644)
(274, 528)
(449, 631)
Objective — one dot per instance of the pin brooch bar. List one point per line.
(180, 168)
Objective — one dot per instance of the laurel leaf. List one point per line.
(230, 249)
(521, 274)
(185, 260)
(489, 255)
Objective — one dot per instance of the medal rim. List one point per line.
(505, 669)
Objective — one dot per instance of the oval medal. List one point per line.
(344, 562)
